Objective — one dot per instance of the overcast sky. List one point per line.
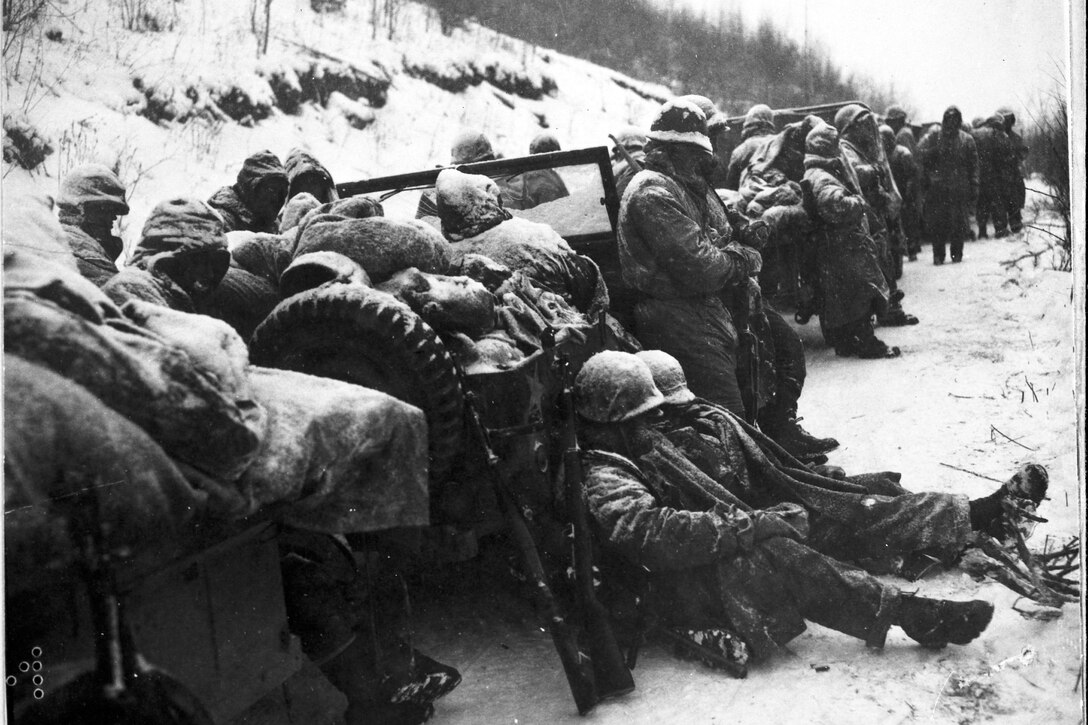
(978, 54)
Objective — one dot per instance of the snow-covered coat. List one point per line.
(94, 257)
(475, 222)
(867, 517)
(299, 165)
(850, 278)
(758, 125)
(996, 157)
(950, 164)
(175, 230)
(674, 239)
(233, 202)
(92, 184)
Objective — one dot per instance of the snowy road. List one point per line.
(993, 357)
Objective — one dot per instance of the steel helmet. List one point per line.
(615, 386)
(668, 375)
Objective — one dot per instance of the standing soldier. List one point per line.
(995, 158)
(633, 141)
(907, 175)
(1015, 191)
(896, 118)
(864, 154)
(758, 124)
(91, 198)
(950, 164)
(679, 251)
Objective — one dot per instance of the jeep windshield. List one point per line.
(571, 191)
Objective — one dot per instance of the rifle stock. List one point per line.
(576, 665)
(609, 665)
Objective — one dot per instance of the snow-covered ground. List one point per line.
(79, 92)
(993, 359)
(989, 337)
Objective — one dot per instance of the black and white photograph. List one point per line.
(381, 362)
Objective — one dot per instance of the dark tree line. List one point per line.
(735, 65)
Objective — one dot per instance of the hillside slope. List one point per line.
(175, 111)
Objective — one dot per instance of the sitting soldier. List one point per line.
(715, 561)
(180, 258)
(306, 175)
(475, 222)
(253, 202)
(90, 200)
(869, 519)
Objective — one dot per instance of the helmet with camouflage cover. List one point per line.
(615, 386)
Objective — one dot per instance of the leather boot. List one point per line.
(936, 623)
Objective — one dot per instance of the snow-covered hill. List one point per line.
(176, 110)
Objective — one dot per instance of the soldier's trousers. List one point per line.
(991, 205)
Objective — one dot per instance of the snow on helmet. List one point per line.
(615, 386)
(823, 141)
(668, 375)
(681, 121)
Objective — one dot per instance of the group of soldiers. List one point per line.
(698, 474)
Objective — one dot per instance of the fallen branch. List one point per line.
(964, 470)
(1012, 440)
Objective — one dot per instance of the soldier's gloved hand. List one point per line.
(747, 259)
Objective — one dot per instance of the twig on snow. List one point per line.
(964, 470)
(1013, 440)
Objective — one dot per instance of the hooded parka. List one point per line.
(86, 191)
(177, 231)
(758, 124)
(950, 163)
(235, 203)
(677, 249)
(852, 286)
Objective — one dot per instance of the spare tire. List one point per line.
(366, 337)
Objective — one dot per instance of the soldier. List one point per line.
(713, 559)
(678, 250)
(305, 174)
(864, 153)
(907, 176)
(180, 258)
(90, 201)
(950, 164)
(253, 202)
(995, 159)
(633, 141)
(896, 118)
(1015, 190)
(851, 285)
(758, 124)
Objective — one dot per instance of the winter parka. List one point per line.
(851, 282)
(234, 202)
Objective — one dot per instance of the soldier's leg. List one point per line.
(848, 600)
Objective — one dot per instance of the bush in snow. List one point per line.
(455, 75)
(245, 99)
(358, 115)
(23, 145)
(295, 80)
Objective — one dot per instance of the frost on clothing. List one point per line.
(707, 565)
(950, 162)
(866, 518)
(236, 203)
(176, 232)
(676, 248)
(758, 125)
(381, 246)
(849, 275)
(60, 439)
(306, 173)
(88, 192)
(250, 289)
(476, 223)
